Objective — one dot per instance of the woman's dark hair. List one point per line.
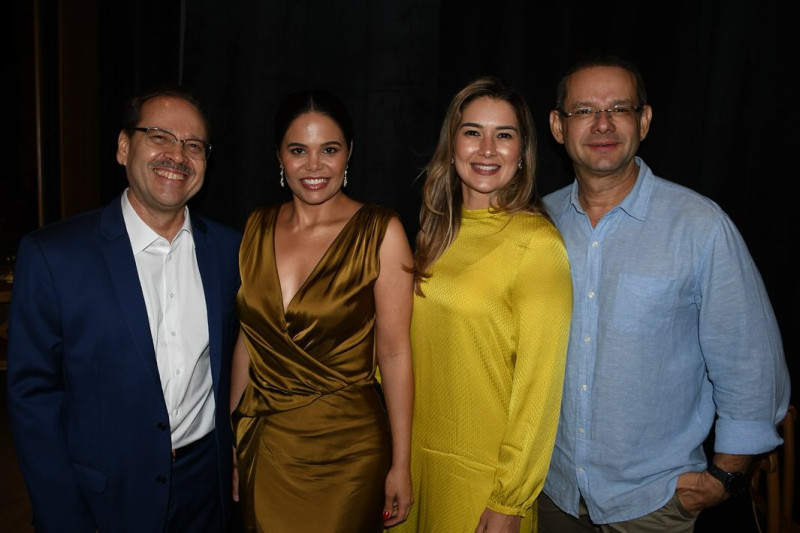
(318, 101)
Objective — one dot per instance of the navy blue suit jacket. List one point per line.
(88, 417)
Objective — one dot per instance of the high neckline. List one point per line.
(481, 213)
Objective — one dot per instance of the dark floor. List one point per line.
(735, 515)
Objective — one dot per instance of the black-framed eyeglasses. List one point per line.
(159, 138)
(589, 113)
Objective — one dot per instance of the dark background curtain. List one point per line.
(717, 74)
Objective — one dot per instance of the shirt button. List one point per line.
(161, 480)
(587, 339)
(595, 244)
(172, 333)
(591, 294)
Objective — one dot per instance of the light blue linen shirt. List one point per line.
(671, 328)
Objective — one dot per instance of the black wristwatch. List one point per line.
(734, 482)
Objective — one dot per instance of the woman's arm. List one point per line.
(541, 306)
(239, 378)
(239, 372)
(393, 302)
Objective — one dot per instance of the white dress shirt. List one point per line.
(176, 309)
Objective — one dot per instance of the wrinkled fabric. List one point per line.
(672, 333)
(312, 435)
(489, 344)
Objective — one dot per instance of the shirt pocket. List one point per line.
(644, 304)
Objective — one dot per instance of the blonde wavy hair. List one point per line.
(440, 213)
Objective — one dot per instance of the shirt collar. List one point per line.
(142, 235)
(638, 199)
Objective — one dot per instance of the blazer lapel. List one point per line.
(208, 264)
(121, 266)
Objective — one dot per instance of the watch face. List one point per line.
(734, 482)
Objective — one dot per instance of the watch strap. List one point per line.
(734, 482)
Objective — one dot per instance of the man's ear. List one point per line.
(644, 121)
(556, 126)
(123, 144)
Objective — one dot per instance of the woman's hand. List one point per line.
(235, 477)
(399, 496)
(494, 522)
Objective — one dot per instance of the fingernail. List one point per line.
(386, 515)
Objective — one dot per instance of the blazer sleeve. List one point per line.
(36, 395)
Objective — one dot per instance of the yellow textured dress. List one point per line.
(312, 435)
(489, 341)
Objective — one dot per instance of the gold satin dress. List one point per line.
(312, 434)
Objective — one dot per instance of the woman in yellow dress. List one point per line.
(490, 323)
(325, 297)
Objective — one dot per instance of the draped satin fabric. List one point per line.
(312, 435)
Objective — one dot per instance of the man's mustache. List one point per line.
(180, 167)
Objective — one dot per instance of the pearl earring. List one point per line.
(519, 165)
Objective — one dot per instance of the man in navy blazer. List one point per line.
(121, 330)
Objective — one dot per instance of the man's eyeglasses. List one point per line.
(158, 138)
(585, 114)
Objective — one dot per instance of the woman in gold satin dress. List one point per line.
(325, 298)
(490, 323)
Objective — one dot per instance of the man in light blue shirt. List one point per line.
(672, 330)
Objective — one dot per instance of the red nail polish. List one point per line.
(386, 515)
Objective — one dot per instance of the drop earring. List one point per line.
(344, 183)
(282, 184)
(519, 165)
